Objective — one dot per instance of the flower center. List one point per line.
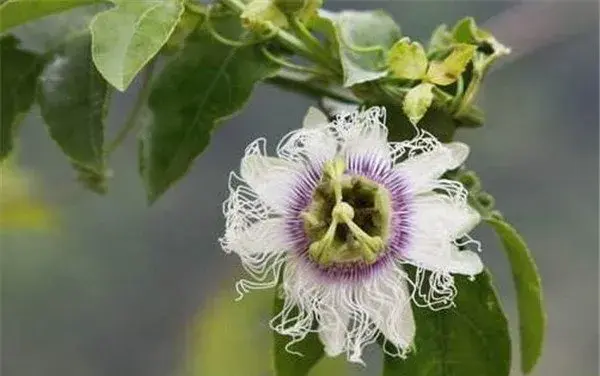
(348, 218)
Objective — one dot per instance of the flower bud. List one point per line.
(303, 9)
(262, 15)
(470, 180)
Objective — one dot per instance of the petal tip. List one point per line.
(459, 152)
(314, 118)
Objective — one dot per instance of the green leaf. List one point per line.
(532, 318)
(436, 120)
(417, 101)
(471, 339)
(447, 71)
(206, 83)
(17, 12)
(187, 24)
(73, 100)
(288, 364)
(363, 41)
(92, 179)
(407, 60)
(18, 74)
(324, 23)
(126, 37)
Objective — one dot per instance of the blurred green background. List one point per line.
(119, 288)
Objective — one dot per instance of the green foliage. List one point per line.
(17, 12)
(206, 83)
(470, 339)
(211, 71)
(532, 318)
(437, 121)
(73, 100)
(407, 60)
(363, 39)
(188, 23)
(126, 37)
(417, 102)
(18, 74)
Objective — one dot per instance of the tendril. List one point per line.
(215, 34)
(287, 64)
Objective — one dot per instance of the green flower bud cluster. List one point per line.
(478, 198)
(449, 56)
(264, 15)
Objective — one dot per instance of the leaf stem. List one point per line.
(143, 94)
(315, 45)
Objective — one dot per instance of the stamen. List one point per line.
(371, 245)
(334, 170)
(355, 212)
(320, 250)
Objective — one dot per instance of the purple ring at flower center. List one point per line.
(377, 170)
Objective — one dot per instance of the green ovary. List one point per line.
(348, 218)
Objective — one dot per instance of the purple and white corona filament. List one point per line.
(339, 211)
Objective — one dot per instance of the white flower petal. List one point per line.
(364, 133)
(303, 294)
(388, 301)
(438, 220)
(459, 152)
(333, 328)
(421, 170)
(441, 214)
(265, 236)
(465, 262)
(273, 179)
(439, 255)
(314, 118)
(313, 146)
(318, 301)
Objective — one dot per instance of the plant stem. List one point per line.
(305, 84)
(469, 94)
(315, 45)
(143, 94)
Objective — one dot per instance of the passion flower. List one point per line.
(338, 213)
